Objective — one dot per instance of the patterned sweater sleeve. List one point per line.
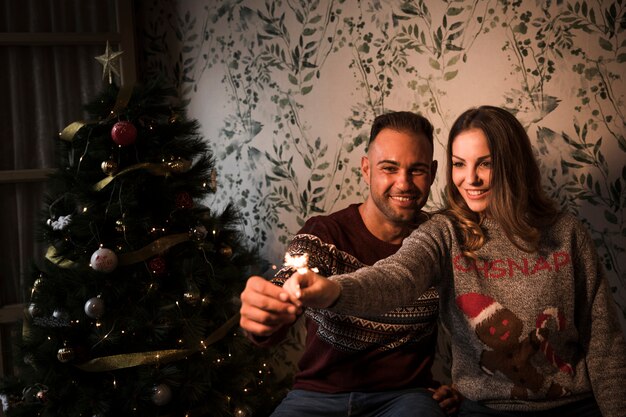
(599, 328)
(396, 280)
(322, 256)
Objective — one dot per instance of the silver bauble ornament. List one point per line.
(60, 314)
(161, 394)
(94, 307)
(33, 310)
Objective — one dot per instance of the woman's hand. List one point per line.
(311, 290)
(448, 397)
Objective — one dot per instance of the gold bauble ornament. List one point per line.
(66, 354)
(226, 251)
(192, 294)
(109, 167)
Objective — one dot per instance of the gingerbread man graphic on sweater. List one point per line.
(500, 329)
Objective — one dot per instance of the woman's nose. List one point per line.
(474, 177)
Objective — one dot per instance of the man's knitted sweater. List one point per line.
(530, 331)
(372, 352)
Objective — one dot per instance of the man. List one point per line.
(366, 366)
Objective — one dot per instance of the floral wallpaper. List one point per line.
(286, 91)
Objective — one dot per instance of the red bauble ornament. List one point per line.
(184, 200)
(157, 266)
(124, 133)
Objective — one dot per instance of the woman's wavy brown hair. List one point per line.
(518, 202)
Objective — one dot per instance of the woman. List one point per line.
(523, 293)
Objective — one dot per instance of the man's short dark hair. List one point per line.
(402, 121)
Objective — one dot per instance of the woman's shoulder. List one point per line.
(568, 221)
(437, 223)
(568, 226)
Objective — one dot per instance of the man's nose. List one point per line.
(404, 180)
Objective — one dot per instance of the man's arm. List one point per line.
(265, 310)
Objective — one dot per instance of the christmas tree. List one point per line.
(133, 309)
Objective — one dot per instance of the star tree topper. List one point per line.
(110, 63)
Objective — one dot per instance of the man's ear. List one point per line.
(365, 169)
(433, 171)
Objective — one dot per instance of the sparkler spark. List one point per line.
(299, 262)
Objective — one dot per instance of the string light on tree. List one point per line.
(147, 275)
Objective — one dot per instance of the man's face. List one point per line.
(399, 170)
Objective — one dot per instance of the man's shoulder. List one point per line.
(347, 212)
(328, 226)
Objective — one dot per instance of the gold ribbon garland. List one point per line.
(158, 246)
(129, 360)
(51, 255)
(109, 363)
(164, 168)
(70, 130)
(123, 97)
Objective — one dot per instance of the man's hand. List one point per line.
(448, 397)
(265, 307)
(311, 290)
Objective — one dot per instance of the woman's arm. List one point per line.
(393, 281)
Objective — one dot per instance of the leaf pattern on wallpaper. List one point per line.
(385, 40)
(585, 182)
(277, 56)
(282, 65)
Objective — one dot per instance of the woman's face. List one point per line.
(471, 168)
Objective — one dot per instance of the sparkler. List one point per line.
(299, 262)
